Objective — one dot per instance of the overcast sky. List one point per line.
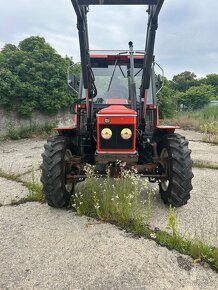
(187, 37)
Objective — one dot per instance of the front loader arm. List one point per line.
(81, 9)
(87, 74)
(153, 12)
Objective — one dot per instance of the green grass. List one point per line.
(10, 176)
(205, 121)
(116, 201)
(119, 202)
(30, 131)
(209, 113)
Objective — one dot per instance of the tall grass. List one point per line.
(116, 200)
(209, 113)
(44, 130)
(205, 120)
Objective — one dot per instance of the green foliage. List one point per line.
(35, 189)
(209, 113)
(186, 92)
(196, 97)
(31, 131)
(212, 80)
(165, 101)
(172, 221)
(33, 77)
(116, 201)
(183, 81)
(205, 120)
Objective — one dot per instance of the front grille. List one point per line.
(116, 141)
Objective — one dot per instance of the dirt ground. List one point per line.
(46, 248)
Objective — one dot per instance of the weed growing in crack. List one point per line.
(35, 189)
(115, 200)
(203, 164)
(195, 248)
(172, 221)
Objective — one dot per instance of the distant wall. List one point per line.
(7, 119)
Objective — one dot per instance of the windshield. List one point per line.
(112, 83)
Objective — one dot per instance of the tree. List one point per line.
(195, 97)
(165, 101)
(33, 77)
(183, 81)
(212, 80)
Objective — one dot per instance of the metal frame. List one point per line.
(81, 9)
(117, 2)
(153, 12)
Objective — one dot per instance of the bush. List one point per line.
(33, 77)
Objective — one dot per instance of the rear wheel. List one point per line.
(56, 164)
(177, 166)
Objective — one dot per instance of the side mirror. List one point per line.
(72, 80)
(73, 83)
(159, 79)
(159, 82)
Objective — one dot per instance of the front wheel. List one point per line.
(176, 162)
(56, 164)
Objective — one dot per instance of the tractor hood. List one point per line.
(117, 110)
(114, 123)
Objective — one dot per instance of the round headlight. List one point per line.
(106, 133)
(126, 133)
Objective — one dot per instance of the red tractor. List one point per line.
(117, 120)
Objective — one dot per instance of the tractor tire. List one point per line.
(175, 189)
(55, 166)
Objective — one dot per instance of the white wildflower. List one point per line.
(153, 236)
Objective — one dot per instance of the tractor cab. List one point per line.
(111, 71)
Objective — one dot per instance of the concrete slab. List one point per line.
(21, 155)
(199, 218)
(45, 248)
(11, 191)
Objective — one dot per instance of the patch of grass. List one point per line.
(201, 164)
(209, 113)
(205, 121)
(118, 202)
(10, 176)
(35, 189)
(34, 130)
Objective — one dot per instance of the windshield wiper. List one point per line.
(112, 76)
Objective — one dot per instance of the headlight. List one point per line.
(126, 133)
(106, 133)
